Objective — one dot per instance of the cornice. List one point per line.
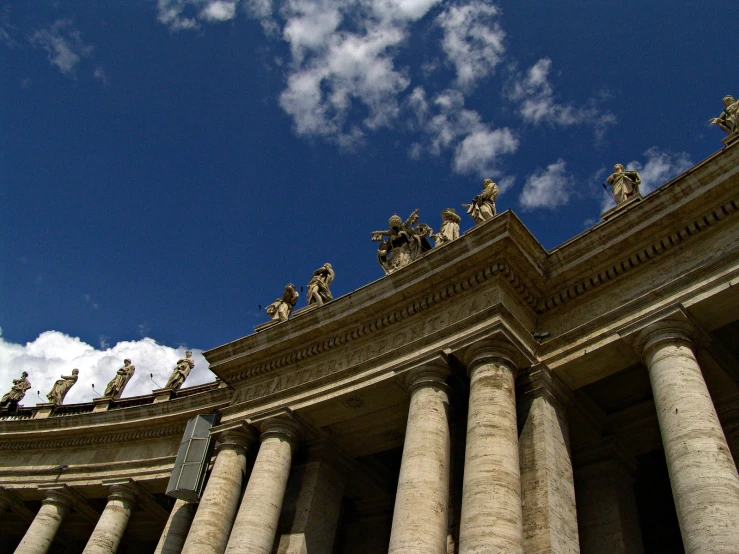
(640, 256)
(143, 434)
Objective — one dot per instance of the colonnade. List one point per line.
(518, 489)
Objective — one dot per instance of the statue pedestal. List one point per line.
(162, 395)
(305, 309)
(44, 410)
(731, 139)
(102, 404)
(618, 209)
(267, 325)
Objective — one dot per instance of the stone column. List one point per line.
(608, 520)
(704, 479)
(175, 530)
(728, 414)
(215, 514)
(45, 525)
(420, 518)
(491, 490)
(310, 513)
(255, 526)
(547, 484)
(112, 523)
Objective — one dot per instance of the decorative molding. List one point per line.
(104, 439)
(498, 269)
(637, 258)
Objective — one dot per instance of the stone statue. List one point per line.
(318, 288)
(61, 387)
(625, 183)
(405, 243)
(729, 118)
(17, 391)
(121, 379)
(181, 371)
(483, 205)
(281, 308)
(449, 227)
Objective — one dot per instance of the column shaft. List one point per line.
(491, 491)
(175, 531)
(255, 526)
(704, 479)
(215, 514)
(420, 518)
(112, 523)
(547, 483)
(45, 525)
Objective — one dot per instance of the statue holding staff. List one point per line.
(121, 379)
(180, 372)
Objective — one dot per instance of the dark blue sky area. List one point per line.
(157, 187)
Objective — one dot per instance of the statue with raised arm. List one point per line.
(449, 227)
(729, 118)
(483, 205)
(281, 308)
(180, 372)
(121, 379)
(61, 387)
(17, 391)
(406, 241)
(318, 288)
(625, 183)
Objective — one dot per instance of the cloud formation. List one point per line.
(534, 95)
(63, 44)
(547, 188)
(473, 41)
(53, 354)
(182, 15)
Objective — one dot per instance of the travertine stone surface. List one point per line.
(255, 526)
(491, 493)
(704, 479)
(312, 507)
(112, 523)
(728, 413)
(547, 484)
(608, 520)
(45, 525)
(175, 530)
(420, 518)
(215, 514)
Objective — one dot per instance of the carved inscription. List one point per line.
(355, 356)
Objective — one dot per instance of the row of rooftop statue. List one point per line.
(113, 390)
(400, 245)
(407, 240)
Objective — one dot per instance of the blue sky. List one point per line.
(168, 166)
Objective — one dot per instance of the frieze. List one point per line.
(358, 355)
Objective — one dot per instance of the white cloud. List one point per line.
(100, 75)
(54, 354)
(473, 42)
(449, 125)
(535, 98)
(183, 15)
(659, 168)
(547, 188)
(63, 45)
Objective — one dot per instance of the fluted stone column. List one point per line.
(45, 525)
(175, 530)
(547, 484)
(420, 518)
(255, 526)
(491, 491)
(212, 523)
(112, 523)
(704, 479)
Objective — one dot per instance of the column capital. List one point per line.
(663, 332)
(432, 373)
(281, 427)
(539, 380)
(59, 496)
(123, 489)
(489, 352)
(237, 437)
